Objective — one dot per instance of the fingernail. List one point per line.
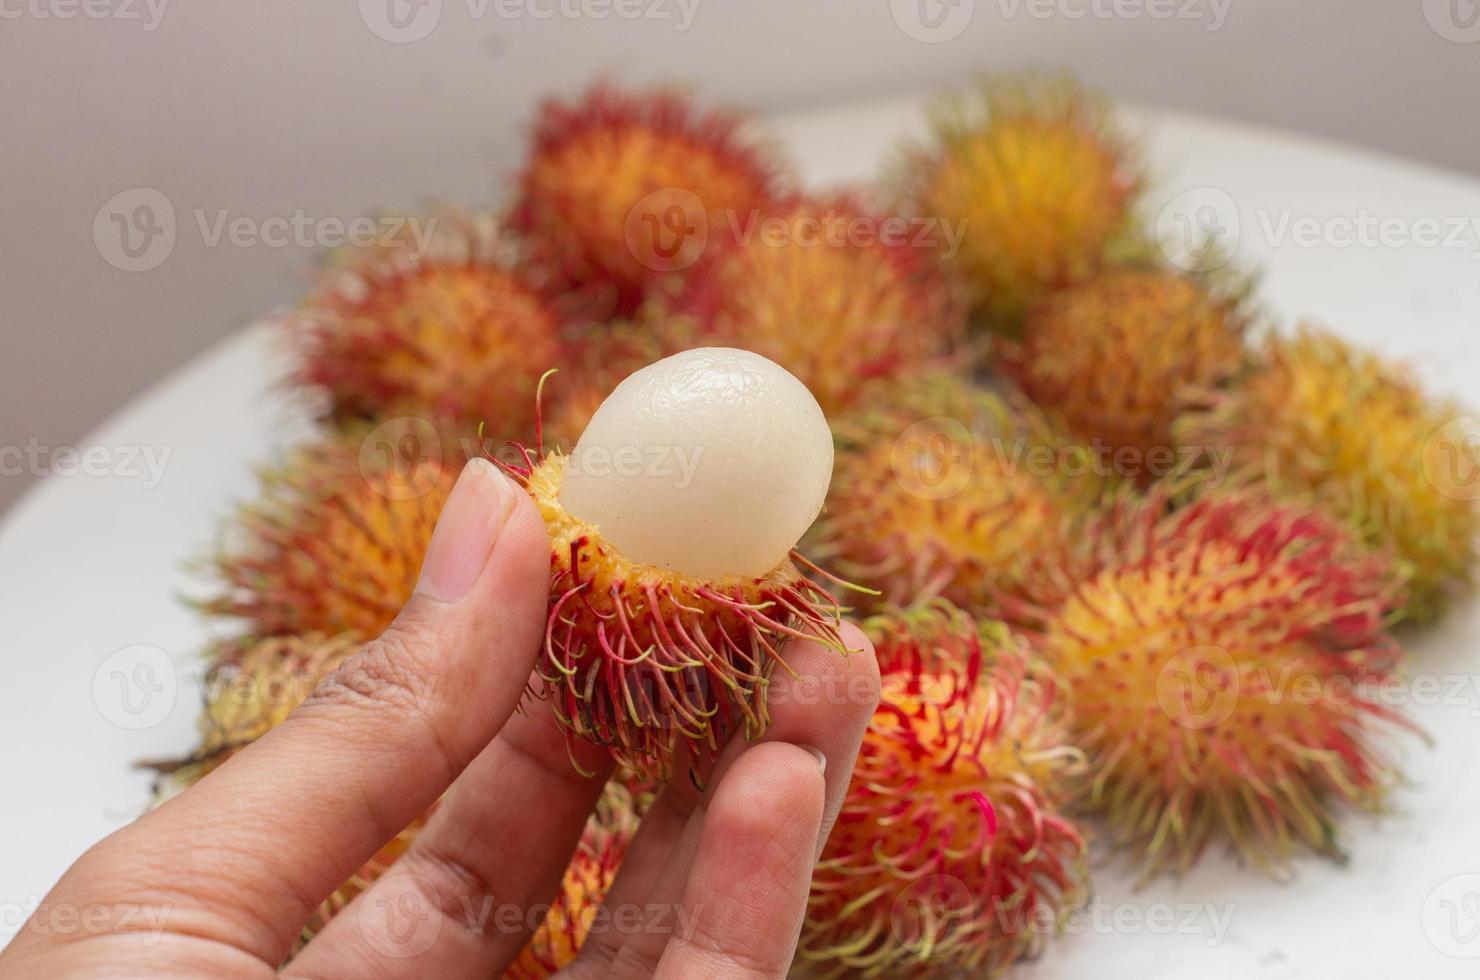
(475, 512)
(820, 756)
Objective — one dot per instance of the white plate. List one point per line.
(90, 568)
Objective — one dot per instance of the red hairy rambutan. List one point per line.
(624, 188)
(1041, 184)
(337, 539)
(946, 490)
(1223, 663)
(454, 333)
(836, 295)
(643, 659)
(950, 856)
(575, 910)
(1118, 356)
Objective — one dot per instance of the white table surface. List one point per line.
(92, 565)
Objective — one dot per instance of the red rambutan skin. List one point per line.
(335, 543)
(624, 188)
(644, 660)
(1224, 662)
(834, 292)
(950, 856)
(458, 336)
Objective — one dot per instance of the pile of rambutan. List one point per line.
(1131, 556)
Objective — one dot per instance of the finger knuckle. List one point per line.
(382, 676)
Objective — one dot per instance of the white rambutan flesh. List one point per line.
(710, 463)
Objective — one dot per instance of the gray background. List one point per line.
(280, 106)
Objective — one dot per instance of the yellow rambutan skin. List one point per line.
(1223, 663)
(457, 335)
(624, 188)
(335, 543)
(1038, 180)
(839, 297)
(1119, 355)
(949, 857)
(1321, 419)
(645, 660)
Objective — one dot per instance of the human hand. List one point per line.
(234, 866)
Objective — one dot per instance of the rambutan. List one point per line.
(946, 491)
(1118, 356)
(836, 295)
(593, 867)
(624, 188)
(1356, 434)
(1223, 662)
(335, 543)
(672, 582)
(1040, 183)
(454, 333)
(950, 856)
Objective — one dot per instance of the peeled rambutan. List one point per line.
(336, 541)
(455, 334)
(836, 295)
(1224, 664)
(624, 188)
(575, 910)
(947, 490)
(1039, 182)
(950, 856)
(1321, 419)
(1120, 354)
(673, 581)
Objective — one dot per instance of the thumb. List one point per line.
(379, 740)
